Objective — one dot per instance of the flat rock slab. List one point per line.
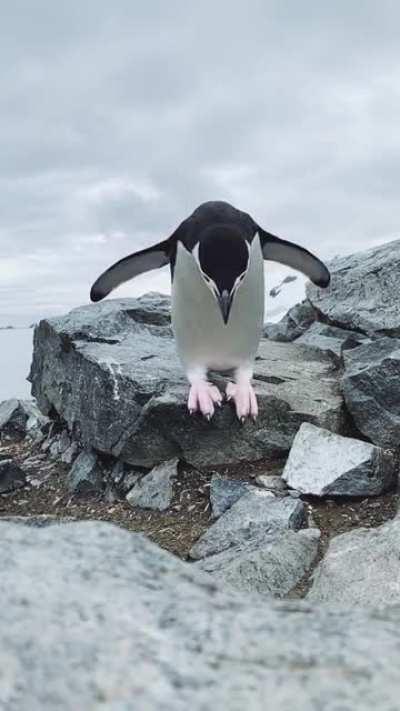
(361, 568)
(271, 564)
(256, 513)
(117, 383)
(155, 490)
(371, 387)
(325, 464)
(225, 492)
(364, 292)
(93, 616)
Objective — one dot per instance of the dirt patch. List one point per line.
(189, 515)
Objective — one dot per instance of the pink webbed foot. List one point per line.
(245, 400)
(203, 396)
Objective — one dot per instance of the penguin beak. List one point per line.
(225, 303)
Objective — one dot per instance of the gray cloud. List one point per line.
(116, 121)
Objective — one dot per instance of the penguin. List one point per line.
(216, 258)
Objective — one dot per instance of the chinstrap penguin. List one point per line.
(217, 269)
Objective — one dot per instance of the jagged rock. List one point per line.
(152, 308)
(361, 567)
(191, 643)
(330, 339)
(225, 492)
(297, 320)
(59, 444)
(272, 483)
(118, 385)
(124, 478)
(12, 476)
(270, 564)
(325, 464)
(21, 417)
(255, 513)
(371, 386)
(364, 291)
(155, 490)
(85, 477)
(69, 454)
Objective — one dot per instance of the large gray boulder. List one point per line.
(371, 387)
(325, 464)
(270, 563)
(117, 383)
(364, 292)
(361, 568)
(95, 617)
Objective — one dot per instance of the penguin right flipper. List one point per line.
(129, 267)
(292, 255)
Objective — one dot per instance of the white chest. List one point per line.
(201, 336)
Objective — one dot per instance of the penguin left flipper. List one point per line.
(292, 255)
(131, 266)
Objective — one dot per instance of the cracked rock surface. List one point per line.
(111, 373)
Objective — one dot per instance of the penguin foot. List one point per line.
(245, 400)
(203, 396)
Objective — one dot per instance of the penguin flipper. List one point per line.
(129, 267)
(292, 255)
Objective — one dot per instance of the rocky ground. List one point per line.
(283, 586)
(46, 497)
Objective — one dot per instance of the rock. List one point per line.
(152, 308)
(225, 492)
(325, 464)
(155, 490)
(330, 339)
(21, 417)
(255, 513)
(37, 521)
(271, 564)
(297, 320)
(271, 483)
(85, 477)
(124, 478)
(371, 384)
(364, 291)
(117, 384)
(361, 568)
(109, 602)
(69, 454)
(12, 476)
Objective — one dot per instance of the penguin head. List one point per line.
(222, 254)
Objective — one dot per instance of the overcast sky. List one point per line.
(118, 118)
